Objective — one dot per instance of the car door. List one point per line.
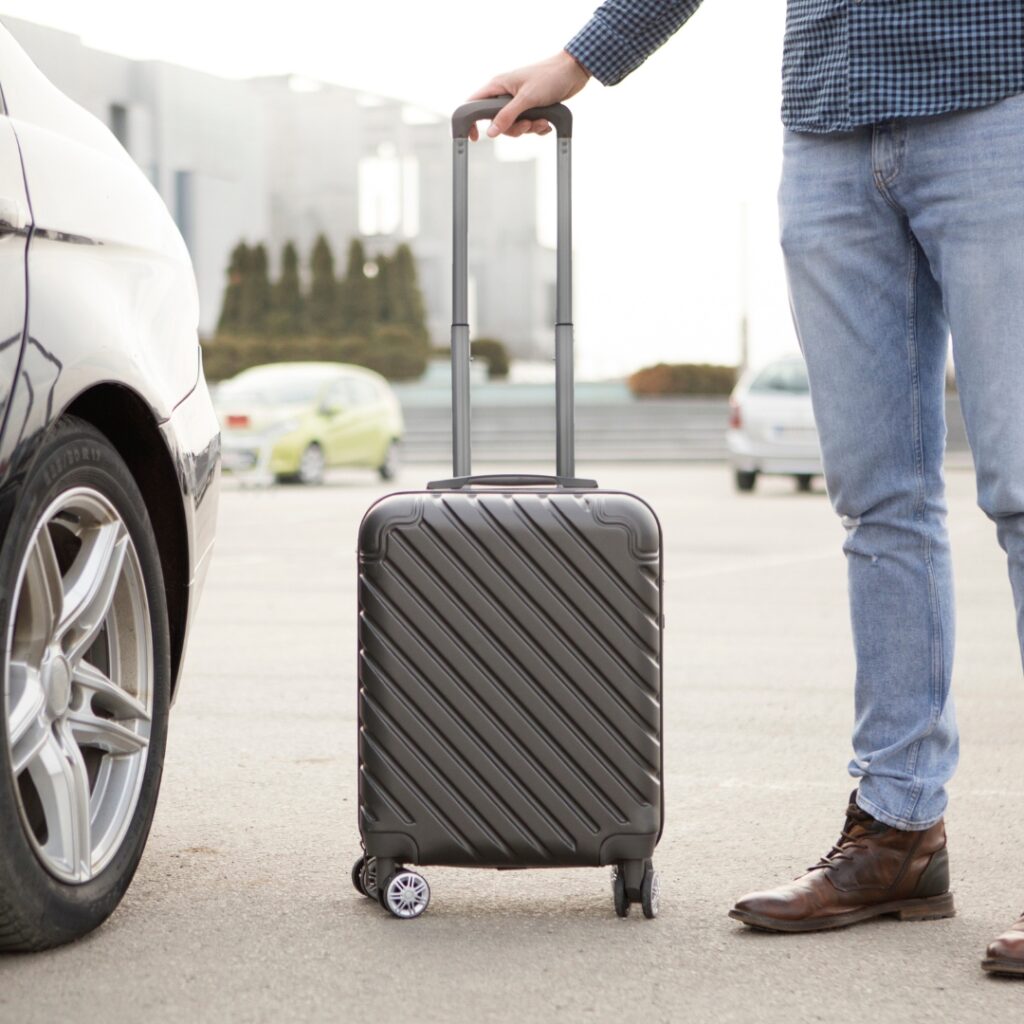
(15, 222)
(341, 426)
(366, 428)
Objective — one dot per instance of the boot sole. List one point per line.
(1014, 968)
(933, 908)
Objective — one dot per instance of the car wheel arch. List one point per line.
(130, 425)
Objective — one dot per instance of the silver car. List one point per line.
(109, 467)
(771, 425)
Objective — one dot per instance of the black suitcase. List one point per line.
(510, 634)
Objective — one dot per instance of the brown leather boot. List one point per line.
(872, 870)
(1006, 954)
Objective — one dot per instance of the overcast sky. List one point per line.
(662, 162)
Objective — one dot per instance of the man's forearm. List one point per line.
(622, 34)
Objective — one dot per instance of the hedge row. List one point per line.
(391, 351)
(683, 379)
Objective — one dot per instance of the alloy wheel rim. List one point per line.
(655, 893)
(408, 895)
(369, 877)
(312, 464)
(78, 685)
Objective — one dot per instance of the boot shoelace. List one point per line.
(844, 846)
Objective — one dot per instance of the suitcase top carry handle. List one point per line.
(485, 110)
(510, 480)
(565, 444)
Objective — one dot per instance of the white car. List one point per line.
(771, 425)
(109, 468)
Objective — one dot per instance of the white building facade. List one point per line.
(284, 159)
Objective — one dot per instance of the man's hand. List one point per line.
(537, 85)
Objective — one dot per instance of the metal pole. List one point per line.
(460, 309)
(564, 386)
(744, 289)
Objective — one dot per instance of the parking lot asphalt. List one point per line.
(242, 909)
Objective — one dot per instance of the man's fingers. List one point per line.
(517, 129)
(506, 117)
(505, 122)
(520, 128)
(528, 128)
(493, 88)
(548, 81)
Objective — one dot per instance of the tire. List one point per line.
(368, 878)
(650, 893)
(745, 480)
(405, 894)
(803, 482)
(357, 876)
(620, 899)
(388, 469)
(312, 465)
(79, 537)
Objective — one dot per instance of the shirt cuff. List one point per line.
(621, 36)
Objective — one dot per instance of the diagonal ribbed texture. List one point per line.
(510, 678)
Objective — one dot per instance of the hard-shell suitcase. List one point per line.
(509, 648)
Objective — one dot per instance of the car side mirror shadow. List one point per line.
(329, 410)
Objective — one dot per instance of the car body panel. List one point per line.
(112, 310)
(87, 194)
(361, 422)
(777, 433)
(15, 221)
(192, 436)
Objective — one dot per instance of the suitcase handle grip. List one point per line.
(485, 110)
(565, 465)
(509, 480)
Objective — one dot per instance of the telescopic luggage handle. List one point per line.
(462, 120)
(486, 110)
(510, 480)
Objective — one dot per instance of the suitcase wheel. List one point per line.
(650, 893)
(405, 894)
(364, 877)
(635, 881)
(357, 876)
(619, 894)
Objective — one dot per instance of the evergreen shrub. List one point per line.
(683, 379)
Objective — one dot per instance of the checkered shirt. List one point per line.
(845, 62)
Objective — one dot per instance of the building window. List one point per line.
(119, 123)
(389, 194)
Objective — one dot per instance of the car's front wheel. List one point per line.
(745, 480)
(312, 465)
(388, 469)
(86, 667)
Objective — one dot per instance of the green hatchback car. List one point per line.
(291, 421)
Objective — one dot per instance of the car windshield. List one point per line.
(272, 389)
(789, 377)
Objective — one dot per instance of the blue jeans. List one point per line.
(894, 237)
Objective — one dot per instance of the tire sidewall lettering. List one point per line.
(76, 455)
